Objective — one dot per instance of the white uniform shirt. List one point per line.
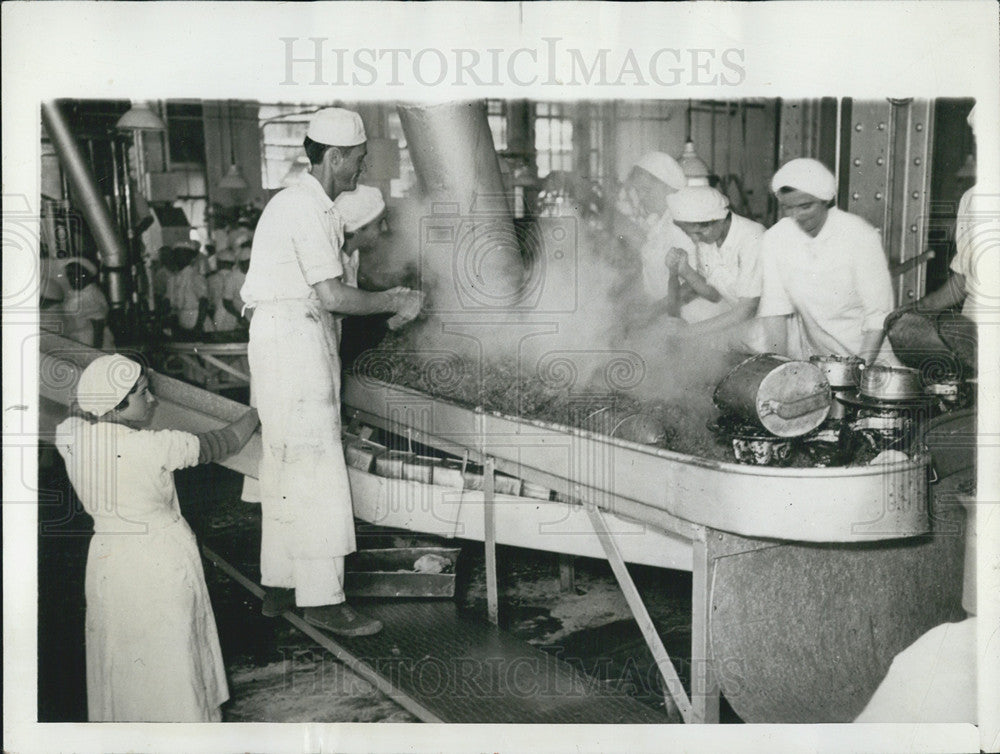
(733, 269)
(184, 290)
(662, 237)
(837, 285)
(967, 228)
(231, 290)
(123, 476)
(80, 309)
(217, 283)
(296, 245)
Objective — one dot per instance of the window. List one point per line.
(282, 130)
(553, 138)
(496, 115)
(185, 134)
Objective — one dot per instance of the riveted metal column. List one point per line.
(888, 182)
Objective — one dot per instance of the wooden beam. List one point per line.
(674, 696)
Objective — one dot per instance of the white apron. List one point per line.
(304, 488)
(153, 652)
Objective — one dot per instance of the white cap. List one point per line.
(807, 175)
(697, 204)
(664, 168)
(359, 207)
(190, 244)
(337, 127)
(105, 382)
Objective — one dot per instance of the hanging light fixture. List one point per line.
(140, 117)
(233, 179)
(694, 167)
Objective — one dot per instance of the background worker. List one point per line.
(962, 286)
(825, 287)
(187, 290)
(84, 308)
(722, 278)
(296, 285)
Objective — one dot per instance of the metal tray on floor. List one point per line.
(390, 573)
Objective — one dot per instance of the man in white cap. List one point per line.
(652, 179)
(722, 279)
(296, 284)
(825, 286)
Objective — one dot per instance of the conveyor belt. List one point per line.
(444, 667)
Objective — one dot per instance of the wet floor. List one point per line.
(277, 674)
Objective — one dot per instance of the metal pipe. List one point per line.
(113, 253)
(454, 158)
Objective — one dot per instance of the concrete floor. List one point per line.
(277, 674)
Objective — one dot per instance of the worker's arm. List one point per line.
(945, 297)
(871, 343)
(775, 330)
(692, 277)
(216, 444)
(744, 309)
(338, 297)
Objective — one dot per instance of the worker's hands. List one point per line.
(677, 260)
(406, 304)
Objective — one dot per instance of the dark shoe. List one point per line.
(277, 600)
(341, 619)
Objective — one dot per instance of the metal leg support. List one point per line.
(704, 683)
(674, 695)
(490, 542)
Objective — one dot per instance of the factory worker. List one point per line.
(85, 308)
(231, 299)
(187, 289)
(222, 319)
(652, 179)
(296, 284)
(722, 277)
(152, 649)
(825, 287)
(965, 284)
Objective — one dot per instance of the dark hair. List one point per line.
(124, 401)
(314, 150)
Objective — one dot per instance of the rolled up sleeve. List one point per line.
(317, 239)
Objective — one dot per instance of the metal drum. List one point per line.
(788, 398)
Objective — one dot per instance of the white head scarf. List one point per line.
(105, 383)
(807, 175)
(698, 204)
(664, 168)
(359, 207)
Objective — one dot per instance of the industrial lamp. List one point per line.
(233, 179)
(140, 117)
(692, 165)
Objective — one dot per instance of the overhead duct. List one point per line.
(469, 214)
(114, 255)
